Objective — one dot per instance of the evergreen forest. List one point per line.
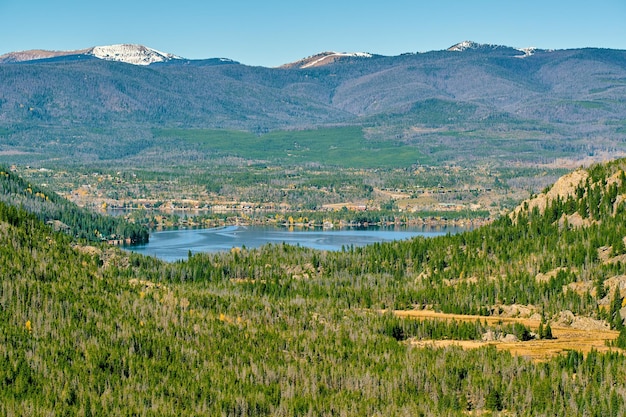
(88, 329)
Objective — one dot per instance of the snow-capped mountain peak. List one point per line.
(463, 46)
(325, 58)
(131, 54)
(469, 45)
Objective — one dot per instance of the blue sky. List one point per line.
(273, 32)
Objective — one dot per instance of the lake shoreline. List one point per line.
(177, 244)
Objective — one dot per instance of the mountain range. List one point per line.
(528, 104)
(142, 55)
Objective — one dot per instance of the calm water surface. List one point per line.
(173, 245)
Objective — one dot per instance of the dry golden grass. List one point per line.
(566, 338)
(423, 202)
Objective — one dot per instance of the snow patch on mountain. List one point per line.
(527, 51)
(131, 54)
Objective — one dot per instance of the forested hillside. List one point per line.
(290, 331)
(66, 216)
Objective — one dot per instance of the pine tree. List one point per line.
(616, 305)
(600, 288)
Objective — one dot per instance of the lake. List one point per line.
(172, 245)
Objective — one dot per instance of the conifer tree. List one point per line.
(616, 305)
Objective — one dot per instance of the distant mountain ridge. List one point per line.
(471, 101)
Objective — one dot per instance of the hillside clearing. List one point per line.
(566, 338)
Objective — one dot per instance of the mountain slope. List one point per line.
(63, 215)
